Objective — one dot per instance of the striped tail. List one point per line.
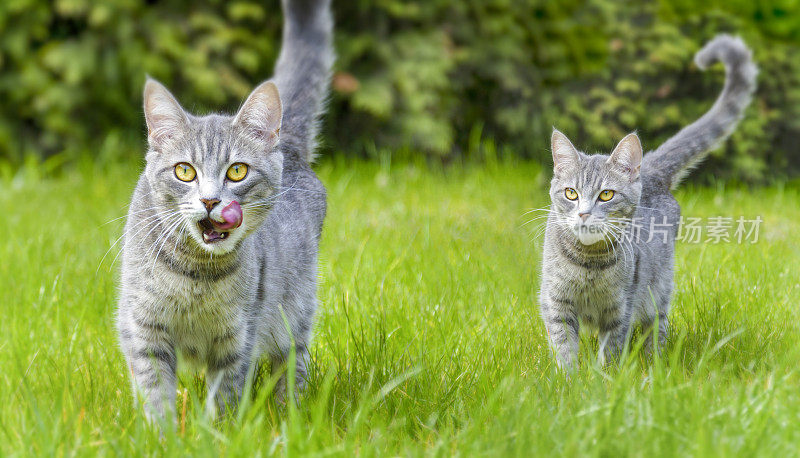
(303, 70)
(676, 157)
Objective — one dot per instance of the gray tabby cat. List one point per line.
(608, 255)
(219, 264)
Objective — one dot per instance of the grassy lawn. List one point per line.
(428, 339)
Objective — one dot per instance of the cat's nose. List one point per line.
(584, 216)
(210, 203)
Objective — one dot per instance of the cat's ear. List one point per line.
(627, 156)
(165, 118)
(260, 116)
(565, 156)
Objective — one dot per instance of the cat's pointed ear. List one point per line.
(260, 116)
(627, 156)
(565, 156)
(166, 120)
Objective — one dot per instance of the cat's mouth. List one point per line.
(211, 234)
(214, 230)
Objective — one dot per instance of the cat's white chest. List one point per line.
(593, 285)
(595, 293)
(197, 312)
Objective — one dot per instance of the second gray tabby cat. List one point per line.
(602, 267)
(219, 262)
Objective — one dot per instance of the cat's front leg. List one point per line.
(152, 362)
(227, 374)
(561, 323)
(613, 336)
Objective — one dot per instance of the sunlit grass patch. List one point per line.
(428, 339)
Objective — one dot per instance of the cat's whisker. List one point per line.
(179, 237)
(548, 209)
(625, 244)
(145, 220)
(156, 214)
(162, 223)
(541, 212)
(269, 199)
(167, 224)
(537, 229)
(264, 206)
(311, 191)
(290, 188)
(540, 232)
(180, 223)
(627, 249)
(608, 241)
(538, 218)
(273, 197)
(612, 242)
(160, 241)
(155, 207)
(153, 224)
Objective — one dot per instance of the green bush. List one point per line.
(438, 77)
(72, 70)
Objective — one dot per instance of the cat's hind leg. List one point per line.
(302, 359)
(294, 342)
(655, 324)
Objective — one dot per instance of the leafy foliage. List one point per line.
(437, 77)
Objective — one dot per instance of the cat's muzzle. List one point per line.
(214, 231)
(210, 232)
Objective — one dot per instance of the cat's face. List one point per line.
(594, 196)
(213, 176)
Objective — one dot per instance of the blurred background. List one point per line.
(448, 80)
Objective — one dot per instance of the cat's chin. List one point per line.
(214, 241)
(588, 237)
(219, 247)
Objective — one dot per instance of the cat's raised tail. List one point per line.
(676, 157)
(303, 70)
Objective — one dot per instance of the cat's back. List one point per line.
(292, 230)
(657, 205)
(655, 229)
(304, 191)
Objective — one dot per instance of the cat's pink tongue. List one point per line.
(232, 214)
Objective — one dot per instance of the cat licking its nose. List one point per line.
(231, 217)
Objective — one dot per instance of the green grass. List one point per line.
(428, 339)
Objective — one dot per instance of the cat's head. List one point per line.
(212, 177)
(594, 196)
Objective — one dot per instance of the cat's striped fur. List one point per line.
(222, 306)
(604, 266)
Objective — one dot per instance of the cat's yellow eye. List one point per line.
(606, 195)
(237, 172)
(185, 172)
(571, 194)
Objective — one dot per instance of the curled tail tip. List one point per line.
(728, 49)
